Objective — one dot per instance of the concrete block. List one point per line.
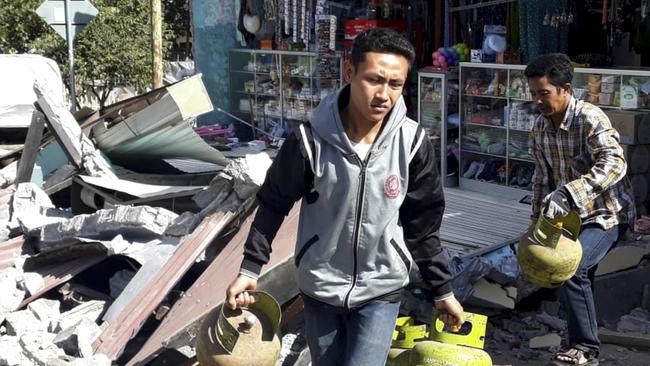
(31, 283)
(78, 339)
(546, 341)
(23, 322)
(11, 354)
(552, 321)
(40, 350)
(129, 221)
(492, 295)
(47, 311)
(32, 208)
(621, 258)
(11, 296)
(96, 360)
(90, 310)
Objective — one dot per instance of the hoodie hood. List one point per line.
(326, 121)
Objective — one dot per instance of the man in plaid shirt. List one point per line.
(579, 165)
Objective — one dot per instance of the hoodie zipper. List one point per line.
(357, 222)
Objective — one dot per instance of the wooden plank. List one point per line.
(115, 336)
(30, 150)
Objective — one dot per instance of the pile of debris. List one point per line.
(107, 218)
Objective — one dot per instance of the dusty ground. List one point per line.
(610, 355)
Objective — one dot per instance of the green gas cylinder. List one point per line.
(446, 348)
(549, 252)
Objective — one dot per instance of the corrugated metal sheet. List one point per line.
(474, 223)
(210, 288)
(160, 130)
(193, 165)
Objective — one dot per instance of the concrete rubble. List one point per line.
(56, 226)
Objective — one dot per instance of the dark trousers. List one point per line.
(577, 294)
(350, 337)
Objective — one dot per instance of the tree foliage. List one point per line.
(113, 50)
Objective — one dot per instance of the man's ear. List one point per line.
(348, 70)
(567, 88)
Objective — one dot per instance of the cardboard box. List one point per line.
(632, 126)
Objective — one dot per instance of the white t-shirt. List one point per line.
(361, 149)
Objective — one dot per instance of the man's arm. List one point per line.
(286, 182)
(421, 216)
(602, 142)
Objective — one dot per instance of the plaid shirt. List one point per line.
(585, 157)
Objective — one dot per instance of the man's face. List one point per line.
(549, 98)
(376, 84)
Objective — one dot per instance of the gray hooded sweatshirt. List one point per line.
(363, 223)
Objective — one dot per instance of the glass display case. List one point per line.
(437, 113)
(497, 114)
(271, 88)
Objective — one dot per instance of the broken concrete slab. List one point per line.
(91, 310)
(11, 296)
(77, 340)
(32, 208)
(79, 149)
(624, 339)
(546, 341)
(492, 295)
(40, 350)
(23, 322)
(12, 354)
(31, 283)
(621, 258)
(552, 321)
(129, 221)
(249, 173)
(46, 311)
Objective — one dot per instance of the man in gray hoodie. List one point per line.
(372, 204)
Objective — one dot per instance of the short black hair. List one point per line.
(381, 40)
(555, 66)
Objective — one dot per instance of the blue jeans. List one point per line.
(349, 337)
(577, 295)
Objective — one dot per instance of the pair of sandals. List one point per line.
(574, 356)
